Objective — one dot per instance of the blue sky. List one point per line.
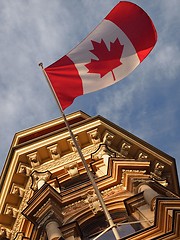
(146, 103)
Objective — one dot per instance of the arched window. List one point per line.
(96, 225)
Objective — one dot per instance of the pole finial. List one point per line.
(41, 65)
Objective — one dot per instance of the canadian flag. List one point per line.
(107, 55)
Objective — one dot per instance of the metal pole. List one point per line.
(105, 210)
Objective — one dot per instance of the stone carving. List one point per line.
(9, 210)
(94, 136)
(4, 232)
(72, 169)
(90, 199)
(72, 145)
(17, 190)
(158, 169)
(125, 147)
(34, 159)
(142, 156)
(158, 174)
(39, 178)
(23, 169)
(93, 202)
(54, 151)
(108, 137)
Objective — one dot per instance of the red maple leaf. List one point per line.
(107, 59)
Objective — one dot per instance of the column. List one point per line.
(53, 231)
(149, 194)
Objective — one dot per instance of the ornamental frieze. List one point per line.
(68, 158)
(113, 191)
(20, 217)
(73, 208)
(89, 200)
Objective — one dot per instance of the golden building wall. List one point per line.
(45, 189)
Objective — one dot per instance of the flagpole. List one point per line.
(105, 210)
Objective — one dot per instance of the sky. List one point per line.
(146, 103)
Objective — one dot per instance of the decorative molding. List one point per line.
(89, 200)
(94, 136)
(39, 178)
(108, 137)
(68, 158)
(163, 182)
(73, 208)
(125, 148)
(102, 150)
(142, 156)
(130, 171)
(158, 169)
(18, 222)
(46, 218)
(17, 190)
(11, 211)
(54, 151)
(113, 190)
(71, 143)
(44, 207)
(24, 169)
(4, 232)
(92, 200)
(54, 185)
(34, 155)
(72, 169)
(157, 175)
(34, 159)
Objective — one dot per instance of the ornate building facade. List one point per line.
(47, 195)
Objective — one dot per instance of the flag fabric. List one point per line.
(107, 55)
